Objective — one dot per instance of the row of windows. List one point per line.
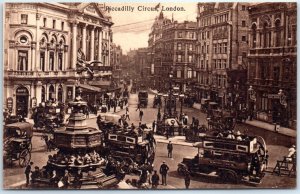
(220, 63)
(204, 35)
(23, 61)
(24, 20)
(190, 35)
(221, 18)
(218, 80)
(179, 46)
(220, 48)
(180, 58)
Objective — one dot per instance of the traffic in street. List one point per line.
(276, 146)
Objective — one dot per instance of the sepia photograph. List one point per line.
(149, 96)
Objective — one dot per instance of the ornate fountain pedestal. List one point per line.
(78, 147)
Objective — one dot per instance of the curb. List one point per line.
(175, 143)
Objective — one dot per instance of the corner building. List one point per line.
(222, 46)
(41, 41)
(272, 61)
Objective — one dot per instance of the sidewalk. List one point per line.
(91, 116)
(256, 123)
(271, 127)
(177, 140)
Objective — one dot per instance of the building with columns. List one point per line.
(272, 62)
(41, 42)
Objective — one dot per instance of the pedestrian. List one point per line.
(77, 179)
(187, 179)
(170, 149)
(141, 115)
(153, 125)
(158, 115)
(155, 180)
(138, 107)
(267, 159)
(66, 179)
(115, 105)
(127, 114)
(108, 106)
(27, 172)
(186, 119)
(164, 168)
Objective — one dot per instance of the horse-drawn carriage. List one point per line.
(48, 116)
(17, 143)
(157, 102)
(221, 121)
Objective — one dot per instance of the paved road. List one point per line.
(14, 177)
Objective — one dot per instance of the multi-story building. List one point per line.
(41, 42)
(155, 47)
(222, 46)
(116, 54)
(172, 49)
(272, 61)
(179, 53)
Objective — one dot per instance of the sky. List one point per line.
(131, 28)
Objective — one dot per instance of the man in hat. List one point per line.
(155, 180)
(164, 168)
(291, 154)
(238, 136)
(27, 172)
(170, 149)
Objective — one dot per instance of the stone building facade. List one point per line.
(41, 41)
(171, 48)
(222, 46)
(272, 61)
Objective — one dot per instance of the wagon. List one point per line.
(17, 143)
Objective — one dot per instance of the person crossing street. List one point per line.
(141, 115)
(170, 149)
(27, 173)
(164, 168)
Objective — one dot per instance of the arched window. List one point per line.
(51, 92)
(254, 35)
(277, 32)
(43, 95)
(265, 34)
(60, 94)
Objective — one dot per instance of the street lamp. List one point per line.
(181, 97)
(252, 99)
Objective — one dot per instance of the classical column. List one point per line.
(100, 45)
(272, 43)
(33, 57)
(92, 49)
(65, 58)
(256, 69)
(74, 45)
(37, 40)
(108, 57)
(84, 39)
(39, 92)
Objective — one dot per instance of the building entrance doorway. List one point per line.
(22, 96)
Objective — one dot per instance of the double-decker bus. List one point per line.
(241, 158)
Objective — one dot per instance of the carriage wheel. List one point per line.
(24, 158)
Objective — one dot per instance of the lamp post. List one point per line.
(252, 99)
(181, 97)
(282, 100)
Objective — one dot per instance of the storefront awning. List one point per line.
(89, 87)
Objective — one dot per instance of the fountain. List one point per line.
(78, 153)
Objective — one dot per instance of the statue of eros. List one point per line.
(83, 65)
